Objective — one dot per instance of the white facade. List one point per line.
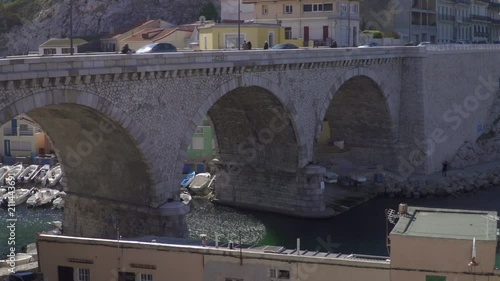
(229, 10)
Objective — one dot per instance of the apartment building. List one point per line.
(311, 20)
(469, 20)
(437, 21)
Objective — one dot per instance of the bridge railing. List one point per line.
(462, 48)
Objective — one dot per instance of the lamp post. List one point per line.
(349, 24)
(409, 20)
(71, 26)
(239, 25)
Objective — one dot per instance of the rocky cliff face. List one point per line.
(92, 18)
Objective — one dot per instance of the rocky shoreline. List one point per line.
(456, 182)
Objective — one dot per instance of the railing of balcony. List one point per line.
(495, 21)
(484, 1)
(466, 2)
(446, 17)
(494, 5)
(480, 18)
(8, 131)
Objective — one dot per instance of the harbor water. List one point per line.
(360, 230)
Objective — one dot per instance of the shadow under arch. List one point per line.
(358, 118)
(99, 149)
(280, 117)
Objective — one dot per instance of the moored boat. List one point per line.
(41, 197)
(28, 174)
(3, 172)
(200, 183)
(16, 197)
(41, 173)
(53, 176)
(20, 258)
(58, 203)
(185, 197)
(15, 171)
(187, 179)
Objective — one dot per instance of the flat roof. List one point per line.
(448, 223)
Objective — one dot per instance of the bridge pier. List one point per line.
(294, 193)
(103, 218)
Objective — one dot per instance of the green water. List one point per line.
(360, 230)
(29, 222)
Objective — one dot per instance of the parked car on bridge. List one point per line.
(424, 43)
(284, 46)
(157, 48)
(368, 45)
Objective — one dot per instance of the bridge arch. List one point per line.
(233, 94)
(358, 112)
(100, 149)
(260, 149)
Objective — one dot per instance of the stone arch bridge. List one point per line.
(121, 124)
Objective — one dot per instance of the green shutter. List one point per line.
(435, 278)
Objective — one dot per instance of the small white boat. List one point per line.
(58, 203)
(28, 174)
(185, 197)
(200, 183)
(21, 258)
(15, 171)
(53, 176)
(40, 174)
(20, 196)
(187, 179)
(330, 177)
(3, 172)
(41, 197)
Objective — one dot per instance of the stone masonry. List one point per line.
(122, 123)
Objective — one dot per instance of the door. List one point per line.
(306, 35)
(6, 147)
(270, 39)
(126, 276)
(65, 273)
(325, 32)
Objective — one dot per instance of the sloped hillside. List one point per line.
(25, 24)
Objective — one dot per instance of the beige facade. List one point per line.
(425, 244)
(22, 138)
(103, 260)
(312, 20)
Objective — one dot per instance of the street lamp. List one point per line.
(349, 24)
(239, 25)
(409, 20)
(71, 26)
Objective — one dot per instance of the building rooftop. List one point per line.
(63, 42)
(447, 223)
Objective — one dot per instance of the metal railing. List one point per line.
(480, 18)
(8, 131)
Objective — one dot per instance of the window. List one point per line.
(66, 50)
(288, 9)
(327, 7)
(231, 40)
(313, 7)
(264, 9)
(272, 273)
(126, 276)
(49, 51)
(198, 143)
(284, 274)
(435, 278)
(354, 9)
(343, 9)
(146, 277)
(288, 33)
(83, 274)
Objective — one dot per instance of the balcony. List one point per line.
(444, 17)
(495, 21)
(465, 2)
(8, 131)
(480, 18)
(485, 1)
(494, 5)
